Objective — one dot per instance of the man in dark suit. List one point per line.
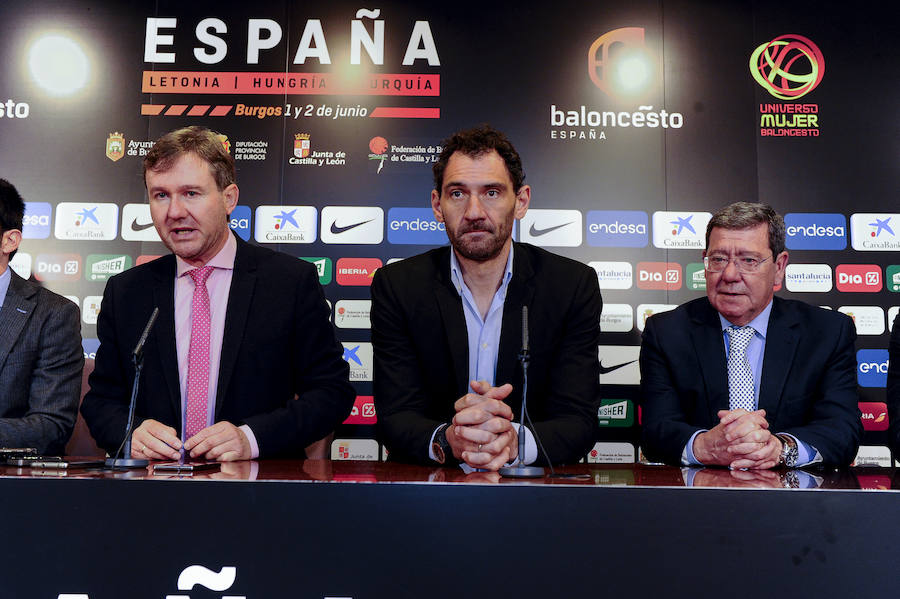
(242, 361)
(447, 326)
(744, 379)
(40, 349)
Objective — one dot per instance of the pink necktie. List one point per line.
(198, 355)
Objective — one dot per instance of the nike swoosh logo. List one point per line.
(608, 369)
(138, 228)
(336, 229)
(534, 232)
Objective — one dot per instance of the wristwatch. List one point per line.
(789, 451)
(440, 447)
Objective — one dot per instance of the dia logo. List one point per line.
(659, 275)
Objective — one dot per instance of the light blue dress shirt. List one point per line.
(484, 336)
(756, 350)
(4, 285)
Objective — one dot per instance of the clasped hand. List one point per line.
(741, 440)
(482, 434)
(222, 441)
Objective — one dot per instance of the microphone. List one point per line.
(524, 328)
(519, 469)
(137, 358)
(138, 352)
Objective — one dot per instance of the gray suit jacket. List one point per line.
(40, 367)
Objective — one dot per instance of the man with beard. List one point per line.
(447, 326)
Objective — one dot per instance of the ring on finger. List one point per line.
(480, 446)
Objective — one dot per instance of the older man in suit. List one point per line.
(243, 361)
(744, 379)
(40, 349)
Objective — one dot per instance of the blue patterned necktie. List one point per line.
(740, 375)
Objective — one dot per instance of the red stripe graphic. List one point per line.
(386, 112)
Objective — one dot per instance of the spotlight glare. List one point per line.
(633, 73)
(58, 65)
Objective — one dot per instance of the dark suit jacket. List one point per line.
(421, 350)
(808, 386)
(893, 389)
(277, 344)
(40, 367)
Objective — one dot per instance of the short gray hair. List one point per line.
(745, 215)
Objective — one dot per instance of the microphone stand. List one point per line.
(519, 469)
(137, 358)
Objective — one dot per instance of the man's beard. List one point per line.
(483, 250)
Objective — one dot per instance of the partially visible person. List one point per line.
(243, 361)
(40, 349)
(741, 378)
(893, 389)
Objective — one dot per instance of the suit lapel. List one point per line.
(519, 293)
(706, 335)
(454, 321)
(240, 296)
(15, 313)
(163, 335)
(781, 345)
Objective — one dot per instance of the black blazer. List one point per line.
(278, 344)
(421, 350)
(40, 367)
(808, 386)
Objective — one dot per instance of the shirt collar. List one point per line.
(760, 324)
(5, 278)
(456, 271)
(224, 259)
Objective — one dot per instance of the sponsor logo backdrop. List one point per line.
(635, 121)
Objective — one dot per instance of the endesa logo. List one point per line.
(57, 267)
(812, 231)
(872, 367)
(415, 226)
(659, 275)
(356, 271)
(36, 224)
(617, 228)
(363, 411)
(680, 230)
(239, 221)
(874, 415)
(858, 277)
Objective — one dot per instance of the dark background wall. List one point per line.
(525, 69)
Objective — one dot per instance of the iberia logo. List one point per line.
(378, 146)
(115, 146)
(301, 145)
(788, 67)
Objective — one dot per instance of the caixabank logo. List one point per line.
(286, 224)
(622, 66)
(680, 230)
(871, 232)
(788, 67)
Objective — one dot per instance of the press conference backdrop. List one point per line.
(635, 120)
